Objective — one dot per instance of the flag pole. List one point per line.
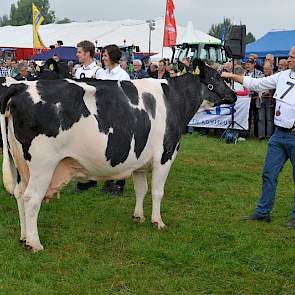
(164, 29)
(34, 52)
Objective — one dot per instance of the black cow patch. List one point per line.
(149, 102)
(120, 121)
(182, 98)
(130, 91)
(62, 106)
(18, 178)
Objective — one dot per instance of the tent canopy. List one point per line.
(65, 53)
(277, 43)
(104, 32)
(193, 36)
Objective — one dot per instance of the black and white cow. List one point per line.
(58, 130)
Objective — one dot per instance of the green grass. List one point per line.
(93, 247)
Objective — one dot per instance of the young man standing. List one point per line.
(88, 69)
(85, 54)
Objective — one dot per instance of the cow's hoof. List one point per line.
(33, 249)
(138, 219)
(159, 224)
(22, 241)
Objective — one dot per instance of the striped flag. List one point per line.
(170, 32)
(37, 21)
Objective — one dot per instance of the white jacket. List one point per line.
(284, 83)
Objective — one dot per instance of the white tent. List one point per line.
(189, 35)
(105, 32)
(192, 36)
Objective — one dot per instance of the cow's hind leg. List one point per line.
(33, 196)
(21, 211)
(140, 187)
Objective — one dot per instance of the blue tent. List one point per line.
(65, 53)
(277, 43)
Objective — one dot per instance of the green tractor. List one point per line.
(204, 51)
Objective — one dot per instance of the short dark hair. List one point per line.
(87, 46)
(114, 53)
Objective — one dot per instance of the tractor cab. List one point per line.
(203, 51)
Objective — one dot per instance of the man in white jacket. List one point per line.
(281, 146)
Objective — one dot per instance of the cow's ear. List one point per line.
(183, 69)
(198, 67)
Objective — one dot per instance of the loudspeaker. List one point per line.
(235, 43)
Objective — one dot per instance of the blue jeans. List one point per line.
(281, 147)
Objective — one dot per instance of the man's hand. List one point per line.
(226, 75)
(234, 77)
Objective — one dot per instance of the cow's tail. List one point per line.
(8, 167)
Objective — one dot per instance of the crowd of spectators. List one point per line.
(19, 70)
(262, 104)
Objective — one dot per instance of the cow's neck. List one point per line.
(185, 97)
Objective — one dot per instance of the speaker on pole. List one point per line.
(235, 43)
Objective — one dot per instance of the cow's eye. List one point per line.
(218, 76)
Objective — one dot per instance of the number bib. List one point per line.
(285, 101)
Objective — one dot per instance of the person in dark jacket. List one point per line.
(138, 72)
(24, 74)
(153, 71)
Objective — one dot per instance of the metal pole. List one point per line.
(233, 71)
(150, 33)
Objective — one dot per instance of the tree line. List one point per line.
(221, 31)
(21, 13)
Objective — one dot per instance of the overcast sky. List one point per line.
(260, 16)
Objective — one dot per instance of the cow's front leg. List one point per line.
(21, 211)
(160, 173)
(140, 187)
(159, 176)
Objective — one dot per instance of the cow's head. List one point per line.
(216, 91)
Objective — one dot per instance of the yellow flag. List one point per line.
(37, 21)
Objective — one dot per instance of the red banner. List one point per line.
(170, 32)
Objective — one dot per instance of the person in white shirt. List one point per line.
(281, 146)
(85, 54)
(88, 69)
(111, 55)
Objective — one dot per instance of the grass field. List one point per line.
(93, 247)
